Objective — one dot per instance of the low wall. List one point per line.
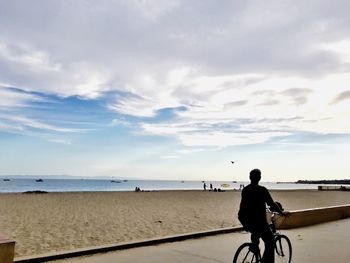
(313, 216)
(333, 188)
(7, 250)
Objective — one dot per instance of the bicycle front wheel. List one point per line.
(283, 248)
(245, 254)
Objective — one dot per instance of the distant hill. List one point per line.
(342, 181)
(33, 176)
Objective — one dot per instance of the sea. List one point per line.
(96, 185)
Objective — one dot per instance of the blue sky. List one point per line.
(175, 89)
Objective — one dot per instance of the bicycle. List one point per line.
(249, 252)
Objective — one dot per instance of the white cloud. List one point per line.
(33, 60)
(151, 9)
(213, 124)
(57, 140)
(10, 98)
(21, 123)
(341, 48)
(223, 62)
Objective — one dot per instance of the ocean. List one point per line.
(91, 185)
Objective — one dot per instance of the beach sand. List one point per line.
(42, 223)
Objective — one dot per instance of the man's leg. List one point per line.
(255, 240)
(267, 237)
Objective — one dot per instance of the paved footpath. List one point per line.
(328, 242)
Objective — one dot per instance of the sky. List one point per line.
(175, 89)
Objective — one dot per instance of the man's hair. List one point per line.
(255, 175)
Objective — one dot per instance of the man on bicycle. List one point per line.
(252, 213)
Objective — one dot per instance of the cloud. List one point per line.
(36, 61)
(44, 116)
(298, 95)
(270, 103)
(212, 133)
(86, 49)
(11, 98)
(292, 110)
(23, 123)
(120, 122)
(341, 97)
(60, 141)
(235, 103)
(223, 63)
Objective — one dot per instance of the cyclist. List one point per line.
(252, 214)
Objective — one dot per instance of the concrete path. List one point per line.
(328, 242)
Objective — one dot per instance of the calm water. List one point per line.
(77, 185)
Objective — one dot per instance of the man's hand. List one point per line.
(285, 213)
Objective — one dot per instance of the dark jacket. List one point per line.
(252, 211)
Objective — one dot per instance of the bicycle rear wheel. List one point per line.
(283, 249)
(245, 254)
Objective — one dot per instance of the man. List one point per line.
(252, 213)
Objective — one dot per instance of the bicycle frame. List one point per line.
(250, 252)
(255, 243)
(273, 222)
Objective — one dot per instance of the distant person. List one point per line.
(204, 186)
(211, 187)
(252, 213)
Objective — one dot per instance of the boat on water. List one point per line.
(113, 181)
(39, 180)
(6, 179)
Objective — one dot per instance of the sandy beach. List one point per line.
(43, 223)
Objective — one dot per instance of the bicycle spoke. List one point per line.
(246, 254)
(283, 249)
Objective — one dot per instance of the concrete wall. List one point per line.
(7, 250)
(333, 188)
(307, 217)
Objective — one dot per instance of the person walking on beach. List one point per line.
(252, 213)
(204, 186)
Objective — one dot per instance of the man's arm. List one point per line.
(273, 206)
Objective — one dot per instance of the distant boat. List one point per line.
(39, 180)
(125, 180)
(6, 179)
(113, 181)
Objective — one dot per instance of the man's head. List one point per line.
(255, 176)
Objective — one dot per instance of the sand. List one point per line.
(42, 223)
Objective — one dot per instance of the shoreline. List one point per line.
(57, 221)
(57, 185)
(35, 192)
